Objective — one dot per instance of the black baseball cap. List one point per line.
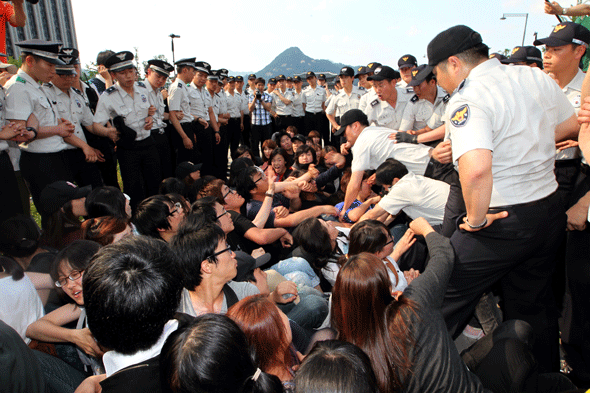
(373, 66)
(186, 168)
(361, 71)
(289, 79)
(297, 79)
(350, 117)
(247, 263)
(281, 77)
(299, 137)
(566, 33)
(346, 71)
(57, 194)
(528, 54)
(407, 61)
(310, 74)
(450, 42)
(239, 78)
(322, 77)
(419, 75)
(384, 72)
(272, 81)
(498, 56)
(251, 77)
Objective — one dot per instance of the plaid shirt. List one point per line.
(260, 116)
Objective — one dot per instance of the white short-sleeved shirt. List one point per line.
(417, 196)
(72, 106)
(373, 147)
(380, 113)
(407, 92)
(20, 305)
(25, 97)
(234, 104)
(313, 98)
(342, 102)
(573, 92)
(366, 98)
(280, 107)
(208, 100)
(418, 112)
(513, 112)
(179, 100)
(297, 104)
(157, 100)
(117, 102)
(197, 102)
(222, 102)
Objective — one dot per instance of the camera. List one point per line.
(258, 94)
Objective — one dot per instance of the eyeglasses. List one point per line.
(178, 207)
(215, 255)
(74, 275)
(229, 191)
(262, 175)
(222, 214)
(389, 242)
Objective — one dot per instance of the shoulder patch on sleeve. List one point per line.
(414, 98)
(21, 80)
(375, 102)
(460, 116)
(446, 98)
(110, 90)
(141, 84)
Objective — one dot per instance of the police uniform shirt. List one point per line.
(381, 114)
(313, 98)
(243, 102)
(373, 147)
(573, 92)
(513, 112)
(418, 112)
(116, 102)
(297, 104)
(25, 97)
(280, 107)
(157, 100)
(179, 100)
(440, 107)
(73, 107)
(407, 92)
(222, 102)
(208, 101)
(342, 102)
(366, 98)
(234, 104)
(197, 102)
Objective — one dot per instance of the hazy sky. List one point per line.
(247, 35)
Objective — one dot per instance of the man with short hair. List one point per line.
(282, 102)
(347, 98)
(102, 80)
(235, 125)
(158, 217)
(371, 95)
(127, 105)
(525, 55)
(503, 124)
(259, 105)
(387, 109)
(406, 63)
(247, 122)
(314, 98)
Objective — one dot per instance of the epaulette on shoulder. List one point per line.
(77, 91)
(362, 88)
(179, 85)
(110, 90)
(48, 84)
(141, 84)
(21, 80)
(375, 102)
(446, 98)
(414, 98)
(461, 85)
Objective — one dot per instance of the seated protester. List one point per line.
(373, 237)
(365, 200)
(284, 142)
(267, 147)
(158, 217)
(296, 141)
(209, 266)
(280, 162)
(269, 333)
(208, 210)
(189, 173)
(318, 245)
(67, 271)
(62, 203)
(106, 230)
(230, 365)
(247, 235)
(131, 291)
(177, 198)
(415, 195)
(173, 185)
(310, 309)
(236, 167)
(107, 201)
(20, 241)
(304, 156)
(252, 185)
(315, 136)
(244, 151)
(337, 367)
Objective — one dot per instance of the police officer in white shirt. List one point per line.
(211, 135)
(347, 98)
(387, 109)
(73, 106)
(127, 105)
(405, 64)
(157, 74)
(314, 98)
(43, 160)
(181, 117)
(282, 103)
(503, 124)
(235, 125)
(244, 108)
(371, 95)
(298, 113)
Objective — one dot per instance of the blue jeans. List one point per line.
(310, 312)
(298, 270)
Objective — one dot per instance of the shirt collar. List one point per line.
(576, 82)
(28, 78)
(115, 361)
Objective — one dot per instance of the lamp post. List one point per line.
(526, 16)
(172, 37)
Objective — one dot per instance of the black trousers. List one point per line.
(282, 122)
(314, 122)
(234, 134)
(205, 145)
(85, 173)
(42, 169)
(164, 152)
(519, 253)
(259, 134)
(220, 153)
(182, 153)
(108, 168)
(245, 139)
(299, 123)
(9, 193)
(140, 170)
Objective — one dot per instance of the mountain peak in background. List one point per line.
(293, 61)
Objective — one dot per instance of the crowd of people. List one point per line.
(420, 229)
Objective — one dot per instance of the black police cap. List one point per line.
(407, 61)
(120, 61)
(160, 66)
(47, 50)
